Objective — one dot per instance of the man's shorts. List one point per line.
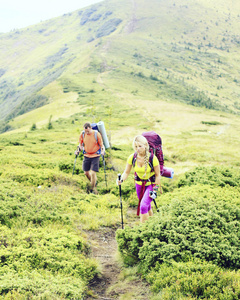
(91, 163)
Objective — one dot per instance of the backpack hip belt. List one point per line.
(151, 179)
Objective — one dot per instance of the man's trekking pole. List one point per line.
(104, 169)
(76, 155)
(120, 193)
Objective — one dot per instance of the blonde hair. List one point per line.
(142, 140)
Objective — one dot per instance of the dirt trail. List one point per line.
(113, 284)
(131, 25)
(104, 247)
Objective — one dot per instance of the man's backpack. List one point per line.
(155, 148)
(95, 129)
(99, 127)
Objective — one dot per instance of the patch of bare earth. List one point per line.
(112, 283)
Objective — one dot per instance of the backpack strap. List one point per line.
(83, 133)
(96, 138)
(150, 162)
(95, 134)
(134, 159)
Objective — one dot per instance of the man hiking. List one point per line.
(91, 143)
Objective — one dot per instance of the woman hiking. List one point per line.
(146, 179)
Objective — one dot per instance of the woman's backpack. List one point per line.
(155, 148)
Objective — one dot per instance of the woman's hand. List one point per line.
(119, 180)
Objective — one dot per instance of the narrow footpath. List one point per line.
(115, 282)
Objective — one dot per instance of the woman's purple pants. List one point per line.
(145, 205)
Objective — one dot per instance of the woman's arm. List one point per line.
(125, 173)
(157, 174)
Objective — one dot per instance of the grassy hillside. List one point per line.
(171, 67)
(172, 50)
(46, 212)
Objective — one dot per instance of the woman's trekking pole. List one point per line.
(120, 193)
(153, 195)
(156, 205)
(104, 169)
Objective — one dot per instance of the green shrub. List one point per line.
(29, 103)
(86, 15)
(214, 176)
(194, 280)
(38, 206)
(40, 285)
(35, 177)
(108, 27)
(184, 229)
(211, 123)
(54, 248)
(33, 127)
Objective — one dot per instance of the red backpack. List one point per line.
(155, 148)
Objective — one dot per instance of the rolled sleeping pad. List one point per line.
(102, 130)
(167, 172)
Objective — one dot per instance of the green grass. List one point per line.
(141, 77)
(39, 191)
(194, 62)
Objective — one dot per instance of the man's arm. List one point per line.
(81, 142)
(100, 143)
(80, 146)
(103, 150)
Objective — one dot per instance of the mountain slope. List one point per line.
(175, 50)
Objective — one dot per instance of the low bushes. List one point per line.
(183, 230)
(214, 176)
(40, 285)
(35, 260)
(108, 27)
(190, 249)
(42, 252)
(194, 280)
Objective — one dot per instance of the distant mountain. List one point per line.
(178, 50)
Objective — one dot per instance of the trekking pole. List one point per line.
(120, 193)
(153, 195)
(104, 169)
(75, 161)
(156, 205)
